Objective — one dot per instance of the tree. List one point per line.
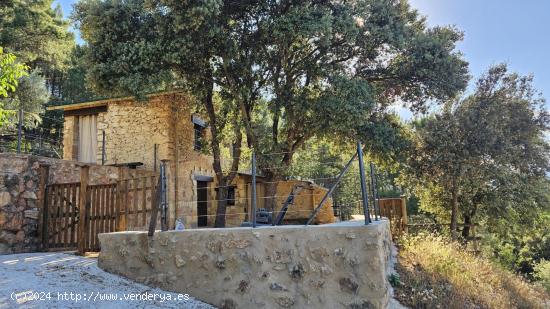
(333, 68)
(39, 36)
(484, 154)
(74, 86)
(171, 45)
(291, 69)
(30, 96)
(10, 72)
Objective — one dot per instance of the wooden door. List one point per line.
(202, 203)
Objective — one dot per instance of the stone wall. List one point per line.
(132, 128)
(326, 266)
(305, 202)
(20, 195)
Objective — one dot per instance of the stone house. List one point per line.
(127, 132)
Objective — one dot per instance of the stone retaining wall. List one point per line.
(327, 266)
(20, 196)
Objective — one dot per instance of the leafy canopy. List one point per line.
(485, 155)
(293, 69)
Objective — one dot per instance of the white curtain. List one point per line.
(87, 137)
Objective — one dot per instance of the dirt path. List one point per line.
(46, 280)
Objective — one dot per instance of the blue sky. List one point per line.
(510, 31)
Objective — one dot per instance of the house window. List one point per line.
(198, 125)
(87, 138)
(230, 195)
(199, 132)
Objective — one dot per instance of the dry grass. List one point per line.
(435, 273)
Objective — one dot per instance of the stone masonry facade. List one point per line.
(20, 195)
(134, 129)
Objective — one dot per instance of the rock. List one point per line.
(220, 262)
(318, 254)
(5, 198)
(326, 270)
(348, 285)
(285, 301)
(350, 235)
(243, 286)
(15, 224)
(20, 236)
(30, 184)
(7, 237)
(228, 304)
(297, 272)
(29, 195)
(31, 213)
(277, 287)
(180, 262)
(339, 252)
(240, 244)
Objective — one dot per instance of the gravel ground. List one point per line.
(46, 280)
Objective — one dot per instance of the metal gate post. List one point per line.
(103, 152)
(163, 199)
(363, 184)
(253, 214)
(375, 197)
(20, 130)
(83, 209)
(43, 196)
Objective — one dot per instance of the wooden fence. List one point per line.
(60, 216)
(73, 214)
(395, 209)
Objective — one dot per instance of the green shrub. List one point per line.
(542, 273)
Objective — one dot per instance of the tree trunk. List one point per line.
(468, 220)
(271, 193)
(221, 198)
(215, 128)
(466, 228)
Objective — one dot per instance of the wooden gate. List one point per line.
(395, 209)
(101, 214)
(60, 216)
(73, 214)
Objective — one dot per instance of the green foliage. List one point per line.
(542, 273)
(519, 241)
(394, 280)
(10, 72)
(31, 96)
(74, 86)
(485, 155)
(36, 33)
(319, 68)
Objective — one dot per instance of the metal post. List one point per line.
(163, 201)
(155, 147)
(43, 205)
(103, 148)
(363, 184)
(330, 190)
(374, 192)
(253, 189)
(20, 130)
(84, 208)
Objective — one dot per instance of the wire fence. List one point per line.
(28, 133)
(350, 192)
